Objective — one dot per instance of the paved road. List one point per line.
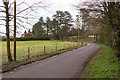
(67, 65)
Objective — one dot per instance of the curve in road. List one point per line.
(67, 65)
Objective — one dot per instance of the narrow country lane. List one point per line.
(67, 65)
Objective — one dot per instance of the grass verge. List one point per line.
(7, 67)
(87, 40)
(104, 65)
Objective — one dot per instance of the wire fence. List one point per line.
(32, 51)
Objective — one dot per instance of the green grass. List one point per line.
(62, 46)
(88, 40)
(104, 65)
(36, 47)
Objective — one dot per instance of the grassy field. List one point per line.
(104, 65)
(36, 47)
(88, 40)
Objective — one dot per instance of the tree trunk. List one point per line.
(47, 29)
(14, 30)
(7, 31)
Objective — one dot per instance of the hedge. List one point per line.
(28, 39)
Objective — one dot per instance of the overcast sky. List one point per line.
(54, 5)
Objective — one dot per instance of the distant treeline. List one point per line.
(28, 39)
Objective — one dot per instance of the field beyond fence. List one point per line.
(29, 49)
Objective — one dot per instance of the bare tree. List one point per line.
(17, 18)
(104, 17)
(7, 30)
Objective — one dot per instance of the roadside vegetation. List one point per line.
(104, 24)
(104, 65)
(87, 40)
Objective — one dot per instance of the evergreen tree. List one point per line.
(64, 21)
(25, 32)
(29, 31)
(38, 28)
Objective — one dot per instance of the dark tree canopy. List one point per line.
(103, 18)
(57, 28)
(38, 29)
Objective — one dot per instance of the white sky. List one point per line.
(63, 5)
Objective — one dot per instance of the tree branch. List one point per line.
(2, 33)
(20, 25)
(2, 6)
(10, 5)
(2, 11)
(2, 24)
(27, 8)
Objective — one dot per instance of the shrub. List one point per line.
(117, 42)
(28, 39)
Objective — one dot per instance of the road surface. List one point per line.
(66, 65)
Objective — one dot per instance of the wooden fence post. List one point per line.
(56, 47)
(28, 52)
(44, 49)
(82, 43)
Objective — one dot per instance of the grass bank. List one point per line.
(104, 65)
